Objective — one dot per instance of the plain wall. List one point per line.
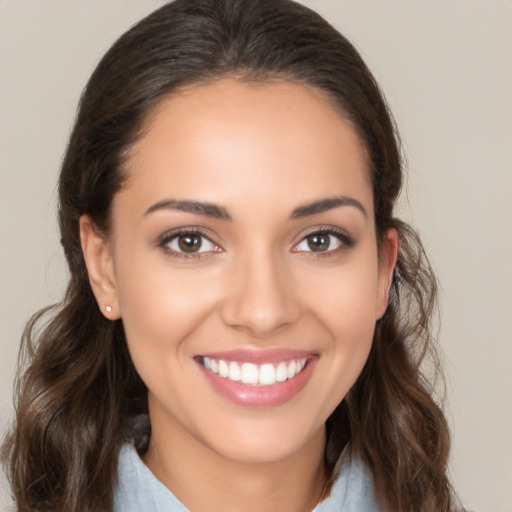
(446, 69)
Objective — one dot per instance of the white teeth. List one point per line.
(267, 375)
(234, 371)
(249, 373)
(281, 372)
(223, 368)
(264, 375)
(292, 369)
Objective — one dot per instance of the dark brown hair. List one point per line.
(78, 394)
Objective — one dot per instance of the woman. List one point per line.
(243, 308)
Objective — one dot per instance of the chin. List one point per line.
(260, 442)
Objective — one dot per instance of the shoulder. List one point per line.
(353, 489)
(137, 488)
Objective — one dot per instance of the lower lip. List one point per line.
(260, 396)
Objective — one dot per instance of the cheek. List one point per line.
(343, 303)
(345, 297)
(160, 308)
(161, 316)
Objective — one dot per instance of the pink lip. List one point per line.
(259, 396)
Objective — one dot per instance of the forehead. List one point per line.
(233, 138)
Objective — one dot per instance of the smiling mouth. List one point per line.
(252, 374)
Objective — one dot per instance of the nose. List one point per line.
(261, 300)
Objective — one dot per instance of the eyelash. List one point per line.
(346, 242)
(170, 236)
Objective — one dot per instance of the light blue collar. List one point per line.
(138, 489)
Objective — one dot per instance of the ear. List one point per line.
(387, 260)
(100, 267)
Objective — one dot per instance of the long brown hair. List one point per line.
(79, 397)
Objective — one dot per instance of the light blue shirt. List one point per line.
(138, 490)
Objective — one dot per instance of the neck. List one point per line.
(206, 481)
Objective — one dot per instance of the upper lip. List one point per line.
(259, 357)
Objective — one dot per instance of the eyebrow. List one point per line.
(326, 204)
(197, 207)
(219, 212)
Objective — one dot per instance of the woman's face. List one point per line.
(243, 263)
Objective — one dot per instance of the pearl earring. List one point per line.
(108, 309)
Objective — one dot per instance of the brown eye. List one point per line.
(187, 243)
(191, 242)
(323, 242)
(319, 242)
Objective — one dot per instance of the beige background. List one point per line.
(446, 68)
